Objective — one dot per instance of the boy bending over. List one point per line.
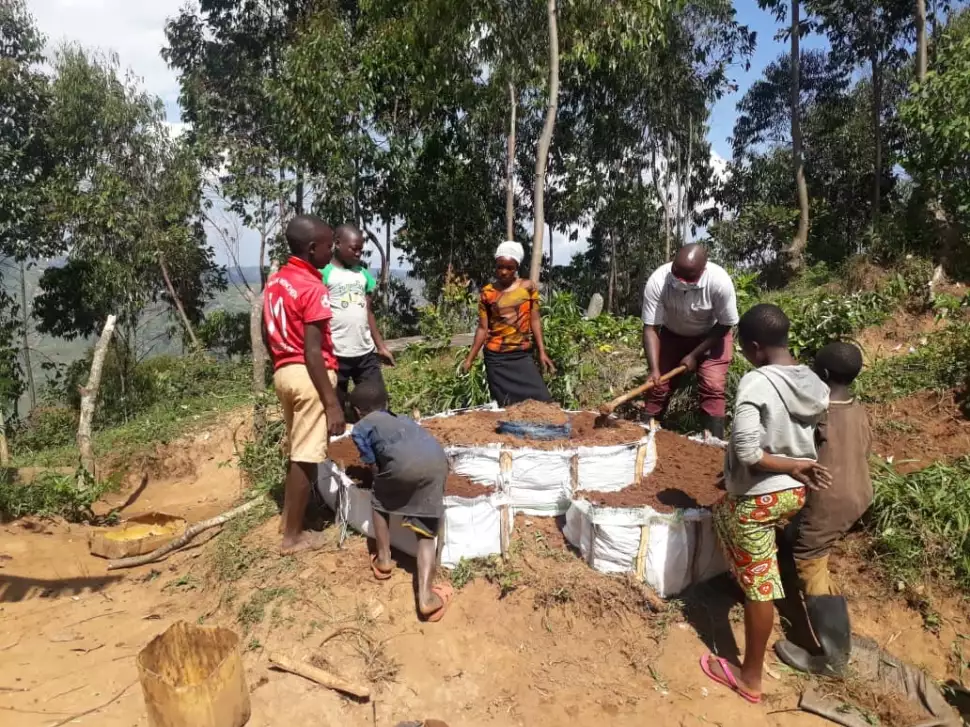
(411, 469)
(770, 460)
(844, 441)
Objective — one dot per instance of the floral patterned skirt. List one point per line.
(746, 529)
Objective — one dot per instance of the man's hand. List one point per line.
(547, 365)
(811, 474)
(654, 377)
(336, 424)
(385, 355)
(689, 362)
(467, 364)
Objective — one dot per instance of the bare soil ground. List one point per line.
(563, 645)
(917, 430)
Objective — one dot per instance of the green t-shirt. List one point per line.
(349, 288)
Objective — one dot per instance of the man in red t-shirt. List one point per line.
(296, 331)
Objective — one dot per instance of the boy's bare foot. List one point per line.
(307, 540)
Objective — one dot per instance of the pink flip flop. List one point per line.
(728, 679)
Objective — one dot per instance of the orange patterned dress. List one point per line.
(507, 315)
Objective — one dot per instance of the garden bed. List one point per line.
(478, 428)
(685, 477)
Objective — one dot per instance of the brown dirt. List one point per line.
(459, 486)
(896, 336)
(478, 428)
(536, 412)
(72, 630)
(919, 429)
(685, 477)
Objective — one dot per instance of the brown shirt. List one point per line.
(844, 442)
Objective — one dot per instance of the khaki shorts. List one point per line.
(303, 412)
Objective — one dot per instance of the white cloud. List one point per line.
(134, 29)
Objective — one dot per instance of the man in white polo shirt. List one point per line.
(689, 309)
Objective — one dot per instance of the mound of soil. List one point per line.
(478, 428)
(344, 453)
(686, 476)
(459, 486)
(536, 412)
(920, 429)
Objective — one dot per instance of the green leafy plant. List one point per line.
(921, 521)
(53, 494)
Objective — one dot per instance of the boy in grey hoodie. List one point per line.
(771, 458)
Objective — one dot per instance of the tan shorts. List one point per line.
(303, 412)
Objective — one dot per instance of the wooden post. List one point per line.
(89, 397)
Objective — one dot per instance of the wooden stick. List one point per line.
(185, 537)
(321, 677)
(634, 393)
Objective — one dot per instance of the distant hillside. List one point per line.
(158, 333)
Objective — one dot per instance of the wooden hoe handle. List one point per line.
(642, 389)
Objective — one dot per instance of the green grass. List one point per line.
(162, 423)
(920, 522)
(253, 611)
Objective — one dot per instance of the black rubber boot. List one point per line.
(829, 616)
(714, 425)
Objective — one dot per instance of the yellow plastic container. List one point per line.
(192, 676)
(136, 536)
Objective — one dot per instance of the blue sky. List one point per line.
(768, 49)
(134, 29)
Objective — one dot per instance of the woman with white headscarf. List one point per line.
(509, 327)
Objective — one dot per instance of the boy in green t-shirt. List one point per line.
(357, 341)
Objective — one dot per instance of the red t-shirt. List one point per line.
(295, 296)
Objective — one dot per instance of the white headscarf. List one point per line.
(510, 249)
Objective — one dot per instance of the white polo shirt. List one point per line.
(690, 310)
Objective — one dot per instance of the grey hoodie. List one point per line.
(776, 411)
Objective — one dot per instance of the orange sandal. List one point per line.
(378, 573)
(445, 593)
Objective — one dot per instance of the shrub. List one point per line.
(52, 495)
(226, 332)
(46, 427)
(921, 521)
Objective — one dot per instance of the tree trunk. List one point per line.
(262, 257)
(542, 156)
(688, 210)
(186, 324)
(921, 54)
(25, 312)
(667, 216)
(796, 251)
(380, 251)
(876, 134)
(386, 270)
(611, 281)
(655, 174)
(260, 358)
(510, 169)
(679, 178)
(4, 448)
(89, 397)
(298, 203)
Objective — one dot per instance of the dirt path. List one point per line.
(565, 646)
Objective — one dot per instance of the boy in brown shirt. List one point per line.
(844, 441)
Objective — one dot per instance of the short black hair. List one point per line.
(348, 230)
(367, 397)
(303, 230)
(766, 325)
(838, 362)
